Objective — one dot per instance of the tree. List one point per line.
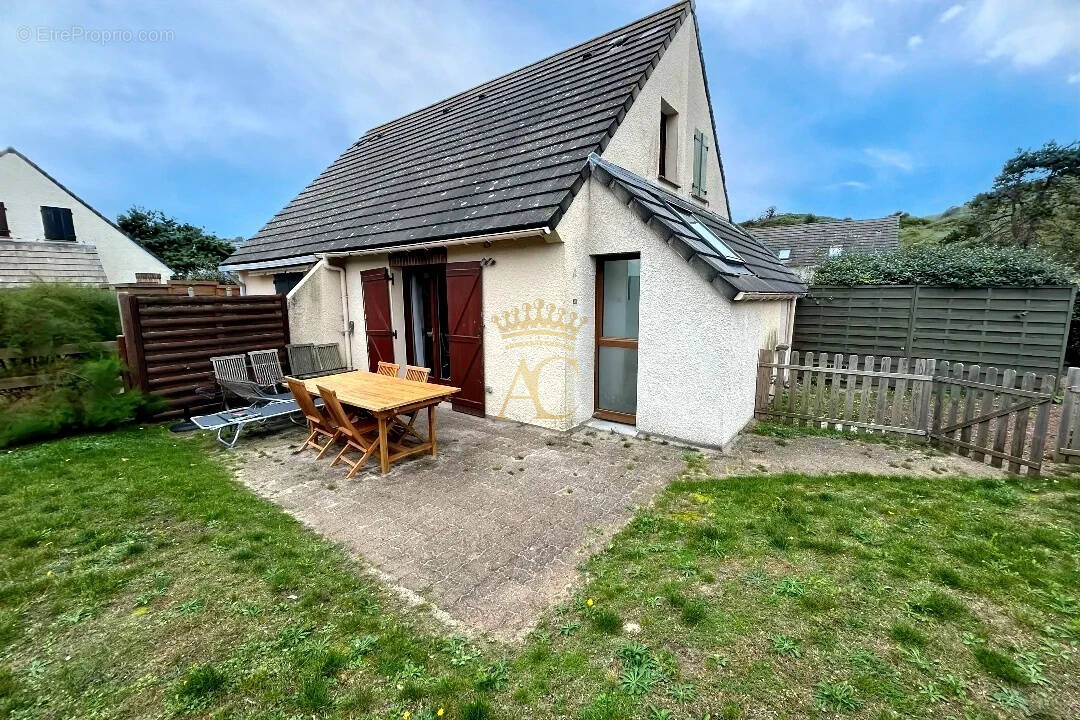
(190, 251)
(1034, 202)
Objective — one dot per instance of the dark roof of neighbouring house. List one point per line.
(759, 271)
(507, 155)
(809, 243)
(25, 263)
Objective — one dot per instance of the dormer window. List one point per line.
(669, 142)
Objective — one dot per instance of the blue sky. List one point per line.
(853, 109)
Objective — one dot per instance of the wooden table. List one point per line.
(387, 398)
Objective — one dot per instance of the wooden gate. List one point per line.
(953, 406)
(983, 418)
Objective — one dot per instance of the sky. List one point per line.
(218, 113)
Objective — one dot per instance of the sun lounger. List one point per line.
(235, 421)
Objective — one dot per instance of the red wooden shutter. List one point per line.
(377, 318)
(465, 308)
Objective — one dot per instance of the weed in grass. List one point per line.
(459, 651)
(694, 611)
(1008, 698)
(569, 628)
(634, 654)
(1032, 668)
(953, 685)
(791, 587)
(197, 686)
(638, 679)
(658, 713)
(682, 692)
(907, 635)
(914, 656)
(950, 576)
(361, 646)
(939, 605)
(606, 620)
(606, 706)
(999, 665)
(785, 646)
(494, 677)
(836, 697)
(931, 692)
(314, 693)
(478, 709)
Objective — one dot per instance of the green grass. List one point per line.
(138, 579)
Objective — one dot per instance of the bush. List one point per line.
(948, 265)
(82, 392)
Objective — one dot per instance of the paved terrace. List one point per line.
(492, 529)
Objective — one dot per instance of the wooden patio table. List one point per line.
(386, 398)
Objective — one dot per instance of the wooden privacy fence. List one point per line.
(1023, 328)
(13, 360)
(961, 408)
(168, 342)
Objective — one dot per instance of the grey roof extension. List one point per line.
(26, 263)
(809, 243)
(759, 271)
(507, 155)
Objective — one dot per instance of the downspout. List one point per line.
(346, 324)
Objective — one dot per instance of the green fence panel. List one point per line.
(1004, 327)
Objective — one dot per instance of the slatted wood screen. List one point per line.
(168, 342)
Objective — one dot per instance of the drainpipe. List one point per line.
(346, 324)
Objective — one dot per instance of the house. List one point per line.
(803, 247)
(556, 242)
(47, 233)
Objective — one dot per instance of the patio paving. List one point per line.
(492, 529)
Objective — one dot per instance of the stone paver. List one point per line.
(492, 529)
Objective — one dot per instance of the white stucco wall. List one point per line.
(256, 283)
(697, 351)
(678, 79)
(24, 190)
(315, 309)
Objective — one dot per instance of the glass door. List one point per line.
(427, 336)
(618, 286)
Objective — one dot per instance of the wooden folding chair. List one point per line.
(318, 424)
(386, 368)
(266, 364)
(403, 427)
(355, 436)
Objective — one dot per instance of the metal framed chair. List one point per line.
(232, 368)
(386, 368)
(328, 359)
(252, 393)
(302, 362)
(266, 364)
(355, 436)
(318, 424)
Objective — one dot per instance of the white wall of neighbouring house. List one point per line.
(315, 309)
(24, 189)
(679, 80)
(697, 351)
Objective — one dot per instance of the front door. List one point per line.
(427, 338)
(618, 285)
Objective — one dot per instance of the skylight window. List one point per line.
(836, 251)
(784, 254)
(709, 238)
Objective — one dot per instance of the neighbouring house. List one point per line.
(556, 242)
(47, 233)
(803, 247)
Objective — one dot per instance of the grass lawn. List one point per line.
(137, 579)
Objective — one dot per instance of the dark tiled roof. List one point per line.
(809, 244)
(506, 155)
(759, 272)
(26, 263)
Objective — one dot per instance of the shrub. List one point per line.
(949, 265)
(81, 392)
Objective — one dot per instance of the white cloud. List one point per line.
(852, 184)
(1024, 33)
(887, 158)
(848, 17)
(1074, 78)
(914, 41)
(951, 13)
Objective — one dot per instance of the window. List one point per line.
(57, 223)
(836, 251)
(701, 155)
(709, 238)
(784, 254)
(284, 282)
(4, 230)
(669, 142)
